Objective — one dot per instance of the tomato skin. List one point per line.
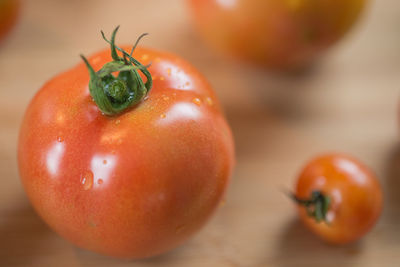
(133, 185)
(356, 197)
(9, 10)
(279, 34)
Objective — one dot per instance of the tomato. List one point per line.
(339, 198)
(136, 182)
(279, 34)
(8, 15)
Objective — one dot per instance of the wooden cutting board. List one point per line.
(348, 103)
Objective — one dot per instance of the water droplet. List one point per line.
(104, 162)
(92, 224)
(113, 152)
(187, 83)
(162, 78)
(60, 139)
(100, 181)
(162, 116)
(209, 101)
(117, 122)
(166, 98)
(169, 71)
(87, 180)
(197, 101)
(145, 57)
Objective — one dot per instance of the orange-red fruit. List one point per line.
(8, 16)
(355, 193)
(132, 185)
(275, 33)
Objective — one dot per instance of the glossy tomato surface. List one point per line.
(354, 192)
(131, 185)
(8, 16)
(274, 33)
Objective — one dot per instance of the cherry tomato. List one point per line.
(276, 33)
(136, 182)
(8, 15)
(339, 198)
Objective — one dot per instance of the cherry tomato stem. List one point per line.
(316, 206)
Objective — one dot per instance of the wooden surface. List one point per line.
(347, 103)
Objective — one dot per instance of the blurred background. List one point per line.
(347, 101)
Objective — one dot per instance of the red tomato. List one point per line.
(339, 199)
(132, 184)
(8, 15)
(274, 33)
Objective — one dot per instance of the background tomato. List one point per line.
(8, 15)
(275, 33)
(131, 185)
(354, 198)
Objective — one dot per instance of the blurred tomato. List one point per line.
(8, 15)
(275, 33)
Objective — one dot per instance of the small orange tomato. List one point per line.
(339, 198)
(279, 34)
(8, 16)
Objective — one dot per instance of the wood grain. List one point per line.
(348, 102)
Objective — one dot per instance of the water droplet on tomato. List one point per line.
(187, 83)
(60, 139)
(166, 98)
(209, 101)
(197, 101)
(117, 122)
(162, 116)
(162, 78)
(104, 162)
(169, 71)
(100, 181)
(145, 57)
(87, 180)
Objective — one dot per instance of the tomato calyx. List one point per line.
(317, 205)
(114, 94)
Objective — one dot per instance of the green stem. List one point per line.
(115, 94)
(317, 205)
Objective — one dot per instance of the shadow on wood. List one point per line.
(392, 187)
(299, 247)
